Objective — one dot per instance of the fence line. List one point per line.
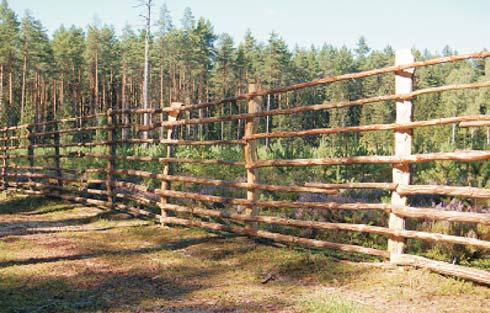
(111, 184)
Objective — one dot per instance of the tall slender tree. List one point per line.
(147, 5)
(9, 52)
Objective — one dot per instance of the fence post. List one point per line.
(168, 167)
(57, 158)
(111, 159)
(4, 161)
(403, 147)
(250, 151)
(30, 150)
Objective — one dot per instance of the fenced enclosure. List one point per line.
(114, 160)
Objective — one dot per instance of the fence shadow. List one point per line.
(28, 204)
(215, 256)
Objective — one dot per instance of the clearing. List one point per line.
(62, 257)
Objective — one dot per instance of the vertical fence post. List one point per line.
(4, 161)
(30, 147)
(57, 158)
(168, 167)
(30, 150)
(403, 147)
(111, 159)
(250, 151)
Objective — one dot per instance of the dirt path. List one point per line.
(58, 257)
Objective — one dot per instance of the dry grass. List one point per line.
(57, 257)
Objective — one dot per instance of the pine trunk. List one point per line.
(124, 105)
(62, 91)
(23, 88)
(11, 93)
(96, 83)
(1, 92)
(146, 81)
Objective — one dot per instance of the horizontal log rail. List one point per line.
(408, 190)
(223, 183)
(372, 127)
(45, 176)
(11, 128)
(277, 237)
(472, 274)
(80, 154)
(68, 120)
(166, 160)
(52, 145)
(454, 191)
(275, 204)
(26, 191)
(467, 156)
(182, 142)
(318, 107)
(72, 154)
(441, 215)
(138, 199)
(481, 123)
(41, 168)
(418, 213)
(81, 191)
(12, 138)
(361, 228)
(21, 156)
(412, 212)
(383, 186)
(71, 130)
(130, 186)
(62, 169)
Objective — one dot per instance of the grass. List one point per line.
(57, 257)
(324, 303)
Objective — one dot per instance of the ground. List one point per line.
(61, 257)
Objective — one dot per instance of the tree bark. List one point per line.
(11, 93)
(146, 81)
(23, 88)
(96, 83)
(1, 91)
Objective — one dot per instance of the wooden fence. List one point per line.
(110, 184)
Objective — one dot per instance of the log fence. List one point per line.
(154, 189)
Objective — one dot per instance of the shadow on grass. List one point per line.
(167, 289)
(18, 205)
(18, 228)
(169, 247)
(109, 291)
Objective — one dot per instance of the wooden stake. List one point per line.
(250, 151)
(111, 160)
(4, 163)
(403, 147)
(30, 147)
(57, 159)
(168, 168)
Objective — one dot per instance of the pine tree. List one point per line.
(68, 49)
(36, 55)
(275, 72)
(224, 72)
(164, 27)
(9, 53)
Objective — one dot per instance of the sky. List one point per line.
(464, 25)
